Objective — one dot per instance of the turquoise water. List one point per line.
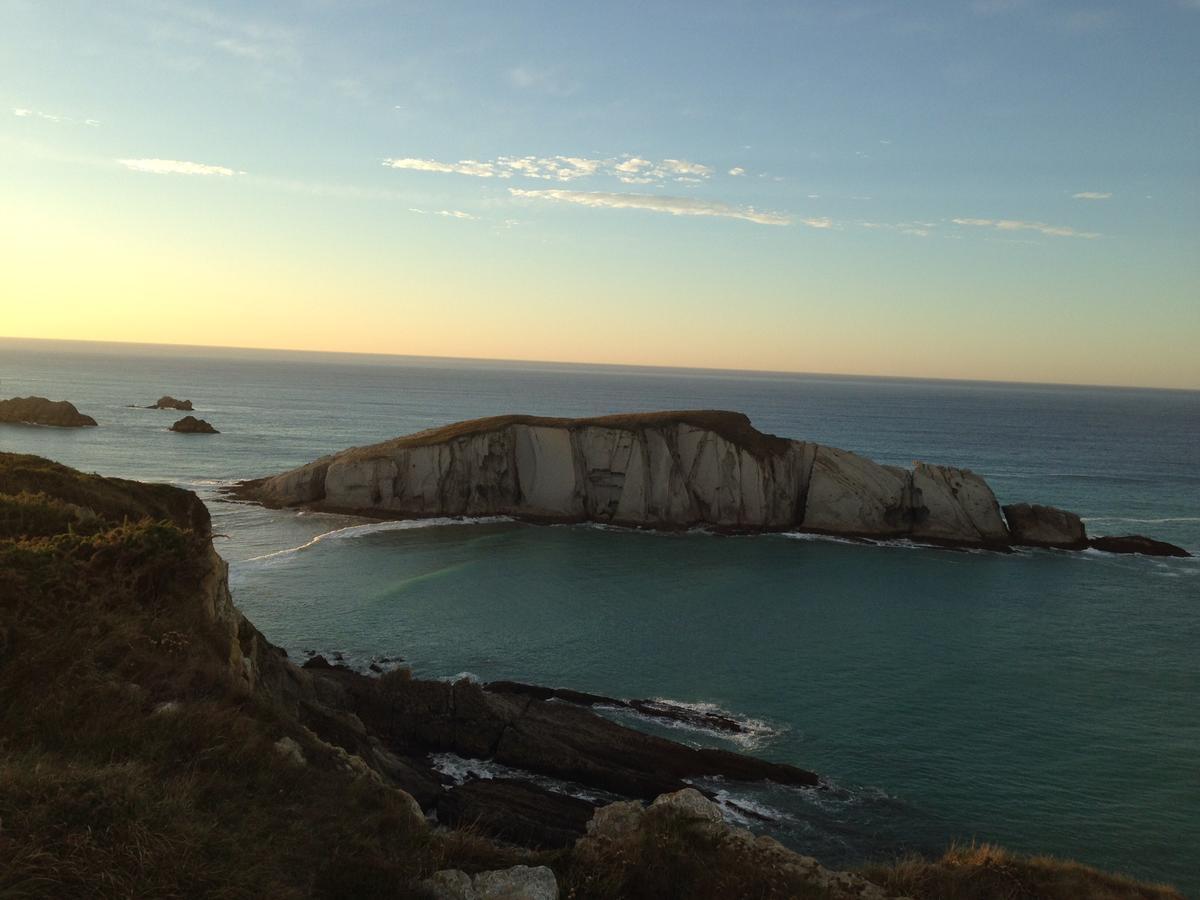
(1044, 700)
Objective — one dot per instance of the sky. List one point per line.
(997, 189)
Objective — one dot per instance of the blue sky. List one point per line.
(1000, 188)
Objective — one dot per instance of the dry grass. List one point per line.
(988, 872)
(668, 857)
(733, 426)
(102, 794)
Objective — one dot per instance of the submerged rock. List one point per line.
(192, 425)
(40, 411)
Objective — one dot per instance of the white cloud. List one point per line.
(444, 213)
(463, 167)
(175, 167)
(1017, 225)
(626, 169)
(675, 206)
(916, 229)
(1092, 195)
(685, 168)
(26, 113)
(737, 170)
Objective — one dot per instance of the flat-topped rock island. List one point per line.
(670, 471)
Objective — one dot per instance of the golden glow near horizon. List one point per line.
(543, 216)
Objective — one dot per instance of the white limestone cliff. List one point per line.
(654, 470)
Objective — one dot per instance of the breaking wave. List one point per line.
(355, 531)
(752, 732)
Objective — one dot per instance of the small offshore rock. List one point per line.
(168, 402)
(192, 425)
(40, 411)
(1136, 543)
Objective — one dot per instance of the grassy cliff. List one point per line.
(147, 748)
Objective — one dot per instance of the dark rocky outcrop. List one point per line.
(40, 411)
(166, 401)
(1045, 526)
(655, 709)
(516, 811)
(192, 425)
(1135, 543)
(560, 740)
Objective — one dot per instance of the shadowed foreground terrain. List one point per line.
(154, 744)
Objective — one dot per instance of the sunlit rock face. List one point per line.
(654, 470)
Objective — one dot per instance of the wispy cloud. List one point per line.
(914, 228)
(675, 206)
(627, 169)
(176, 167)
(462, 167)
(546, 81)
(737, 170)
(1092, 195)
(25, 113)
(1010, 225)
(445, 213)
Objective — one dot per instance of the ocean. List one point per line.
(1046, 701)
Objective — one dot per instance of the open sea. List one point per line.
(1043, 700)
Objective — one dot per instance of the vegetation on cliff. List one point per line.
(144, 752)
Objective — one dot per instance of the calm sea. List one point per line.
(1047, 701)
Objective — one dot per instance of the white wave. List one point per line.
(461, 770)
(1168, 520)
(461, 676)
(754, 733)
(887, 543)
(353, 531)
(746, 812)
(204, 482)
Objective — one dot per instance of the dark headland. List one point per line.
(154, 743)
(40, 411)
(671, 470)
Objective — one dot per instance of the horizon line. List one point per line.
(607, 365)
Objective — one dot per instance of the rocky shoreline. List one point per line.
(156, 742)
(671, 471)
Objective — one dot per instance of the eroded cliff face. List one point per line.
(655, 470)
